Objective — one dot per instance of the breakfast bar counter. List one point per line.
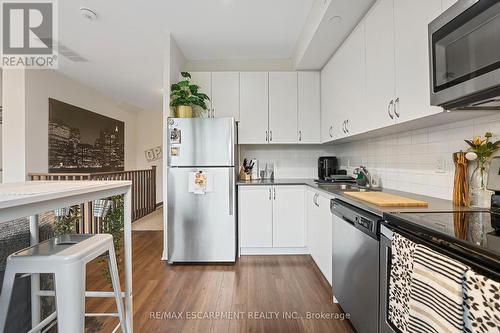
(23, 199)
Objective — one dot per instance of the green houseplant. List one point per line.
(184, 95)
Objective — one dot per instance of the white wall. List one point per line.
(44, 84)
(14, 134)
(149, 135)
(174, 61)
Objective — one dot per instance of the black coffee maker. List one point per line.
(327, 166)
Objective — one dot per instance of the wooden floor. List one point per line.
(257, 291)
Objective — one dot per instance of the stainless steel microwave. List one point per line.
(464, 47)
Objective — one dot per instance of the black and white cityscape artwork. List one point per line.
(84, 141)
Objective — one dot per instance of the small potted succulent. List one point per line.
(184, 95)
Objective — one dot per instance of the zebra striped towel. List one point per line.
(399, 281)
(481, 303)
(436, 293)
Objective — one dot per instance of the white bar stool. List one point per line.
(66, 257)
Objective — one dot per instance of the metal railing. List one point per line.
(143, 192)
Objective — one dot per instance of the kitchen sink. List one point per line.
(342, 187)
(346, 187)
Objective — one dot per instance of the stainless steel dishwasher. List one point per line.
(355, 264)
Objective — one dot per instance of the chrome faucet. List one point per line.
(366, 175)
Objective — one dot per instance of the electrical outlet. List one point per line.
(441, 165)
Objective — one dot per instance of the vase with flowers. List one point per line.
(480, 151)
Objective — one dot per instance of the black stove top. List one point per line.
(473, 235)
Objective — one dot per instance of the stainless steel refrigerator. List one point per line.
(201, 191)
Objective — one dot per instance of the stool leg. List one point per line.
(8, 285)
(113, 270)
(70, 298)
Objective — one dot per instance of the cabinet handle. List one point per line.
(274, 189)
(269, 193)
(270, 136)
(330, 131)
(213, 112)
(300, 135)
(347, 125)
(391, 104)
(396, 107)
(315, 199)
(267, 140)
(343, 127)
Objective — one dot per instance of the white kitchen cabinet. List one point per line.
(328, 98)
(325, 238)
(353, 65)
(253, 126)
(225, 94)
(272, 217)
(411, 19)
(309, 107)
(345, 107)
(204, 81)
(380, 70)
(319, 231)
(283, 107)
(288, 216)
(255, 212)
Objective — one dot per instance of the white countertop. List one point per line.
(22, 193)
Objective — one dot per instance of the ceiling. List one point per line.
(121, 52)
(330, 24)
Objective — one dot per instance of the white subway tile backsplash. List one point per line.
(410, 161)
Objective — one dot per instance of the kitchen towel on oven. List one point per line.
(436, 294)
(399, 281)
(481, 303)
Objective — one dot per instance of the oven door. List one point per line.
(385, 269)
(465, 56)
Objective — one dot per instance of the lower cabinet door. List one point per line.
(311, 222)
(288, 216)
(325, 238)
(256, 216)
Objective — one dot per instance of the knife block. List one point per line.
(243, 175)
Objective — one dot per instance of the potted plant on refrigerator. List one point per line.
(184, 95)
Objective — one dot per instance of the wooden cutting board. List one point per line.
(386, 199)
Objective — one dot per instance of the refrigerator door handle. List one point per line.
(231, 192)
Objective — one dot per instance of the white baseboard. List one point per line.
(256, 251)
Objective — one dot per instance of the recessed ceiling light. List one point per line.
(88, 13)
(335, 19)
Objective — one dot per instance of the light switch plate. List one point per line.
(440, 165)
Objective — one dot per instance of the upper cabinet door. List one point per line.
(204, 81)
(327, 100)
(309, 107)
(254, 103)
(412, 57)
(226, 94)
(283, 107)
(352, 79)
(380, 75)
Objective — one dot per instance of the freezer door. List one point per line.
(201, 142)
(201, 227)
